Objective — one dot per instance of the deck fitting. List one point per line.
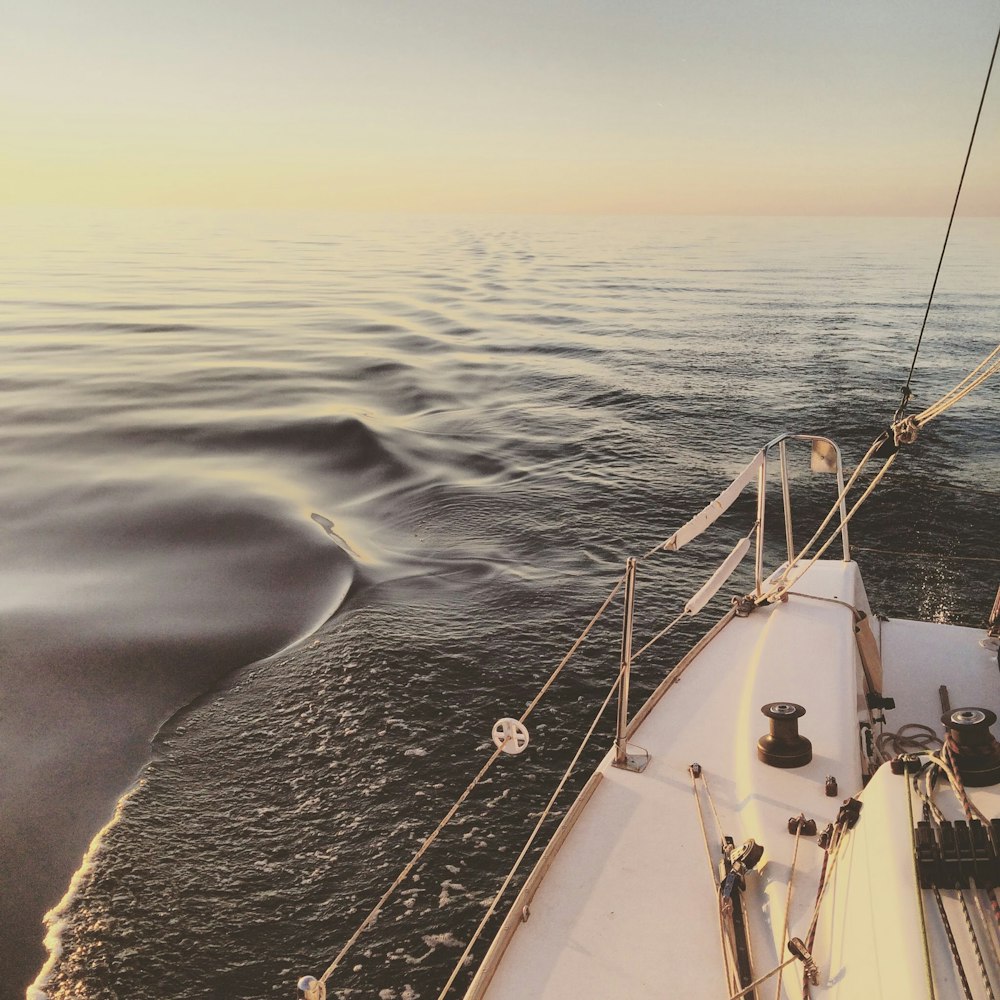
(975, 751)
(784, 746)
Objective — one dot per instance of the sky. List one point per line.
(819, 107)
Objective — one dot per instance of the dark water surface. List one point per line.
(293, 508)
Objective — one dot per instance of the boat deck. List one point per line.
(628, 905)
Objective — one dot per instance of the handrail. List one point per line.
(779, 442)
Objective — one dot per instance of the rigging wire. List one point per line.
(982, 100)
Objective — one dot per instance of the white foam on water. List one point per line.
(57, 919)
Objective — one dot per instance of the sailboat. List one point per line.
(808, 805)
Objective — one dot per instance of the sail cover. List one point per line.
(716, 508)
(718, 578)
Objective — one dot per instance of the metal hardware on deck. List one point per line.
(906, 763)
(800, 823)
(825, 458)
(973, 748)
(784, 746)
(798, 948)
(761, 500)
(830, 786)
(945, 698)
(850, 813)
(733, 869)
(875, 701)
(951, 855)
(786, 500)
(623, 759)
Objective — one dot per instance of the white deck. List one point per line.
(628, 907)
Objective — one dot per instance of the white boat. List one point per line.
(780, 801)
(807, 806)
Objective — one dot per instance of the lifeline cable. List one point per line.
(401, 877)
(906, 388)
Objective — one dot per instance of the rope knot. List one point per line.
(905, 431)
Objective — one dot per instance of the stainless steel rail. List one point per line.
(780, 443)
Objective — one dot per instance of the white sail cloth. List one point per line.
(722, 503)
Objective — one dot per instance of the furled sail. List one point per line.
(718, 578)
(718, 507)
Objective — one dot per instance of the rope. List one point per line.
(905, 430)
(704, 829)
(954, 208)
(713, 872)
(531, 839)
(980, 961)
(990, 925)
(401, 877)
(826, 870)
(947, 764)
(928, 968)
(659, 635)
(956, 957)
(876, 444)
(788, 896)
(576, 645)
(763, 979)
(913, 737)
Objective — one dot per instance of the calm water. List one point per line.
(294, 508)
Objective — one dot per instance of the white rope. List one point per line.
(990, 365)
(400, 878)
(576, 645)
(659, 635)
(763, 979)
(531, 839)
(713, 872)
(913, 737)
(788, 896)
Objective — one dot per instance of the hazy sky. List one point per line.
(745, 106)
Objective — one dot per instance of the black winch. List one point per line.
(973, 748)
(784, 745)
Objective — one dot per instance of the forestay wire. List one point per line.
(968, 153)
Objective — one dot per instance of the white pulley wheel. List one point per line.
(513, 732)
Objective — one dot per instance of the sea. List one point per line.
(294, 507)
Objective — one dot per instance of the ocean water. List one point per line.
(294, 507)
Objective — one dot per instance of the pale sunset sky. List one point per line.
(684, 106)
